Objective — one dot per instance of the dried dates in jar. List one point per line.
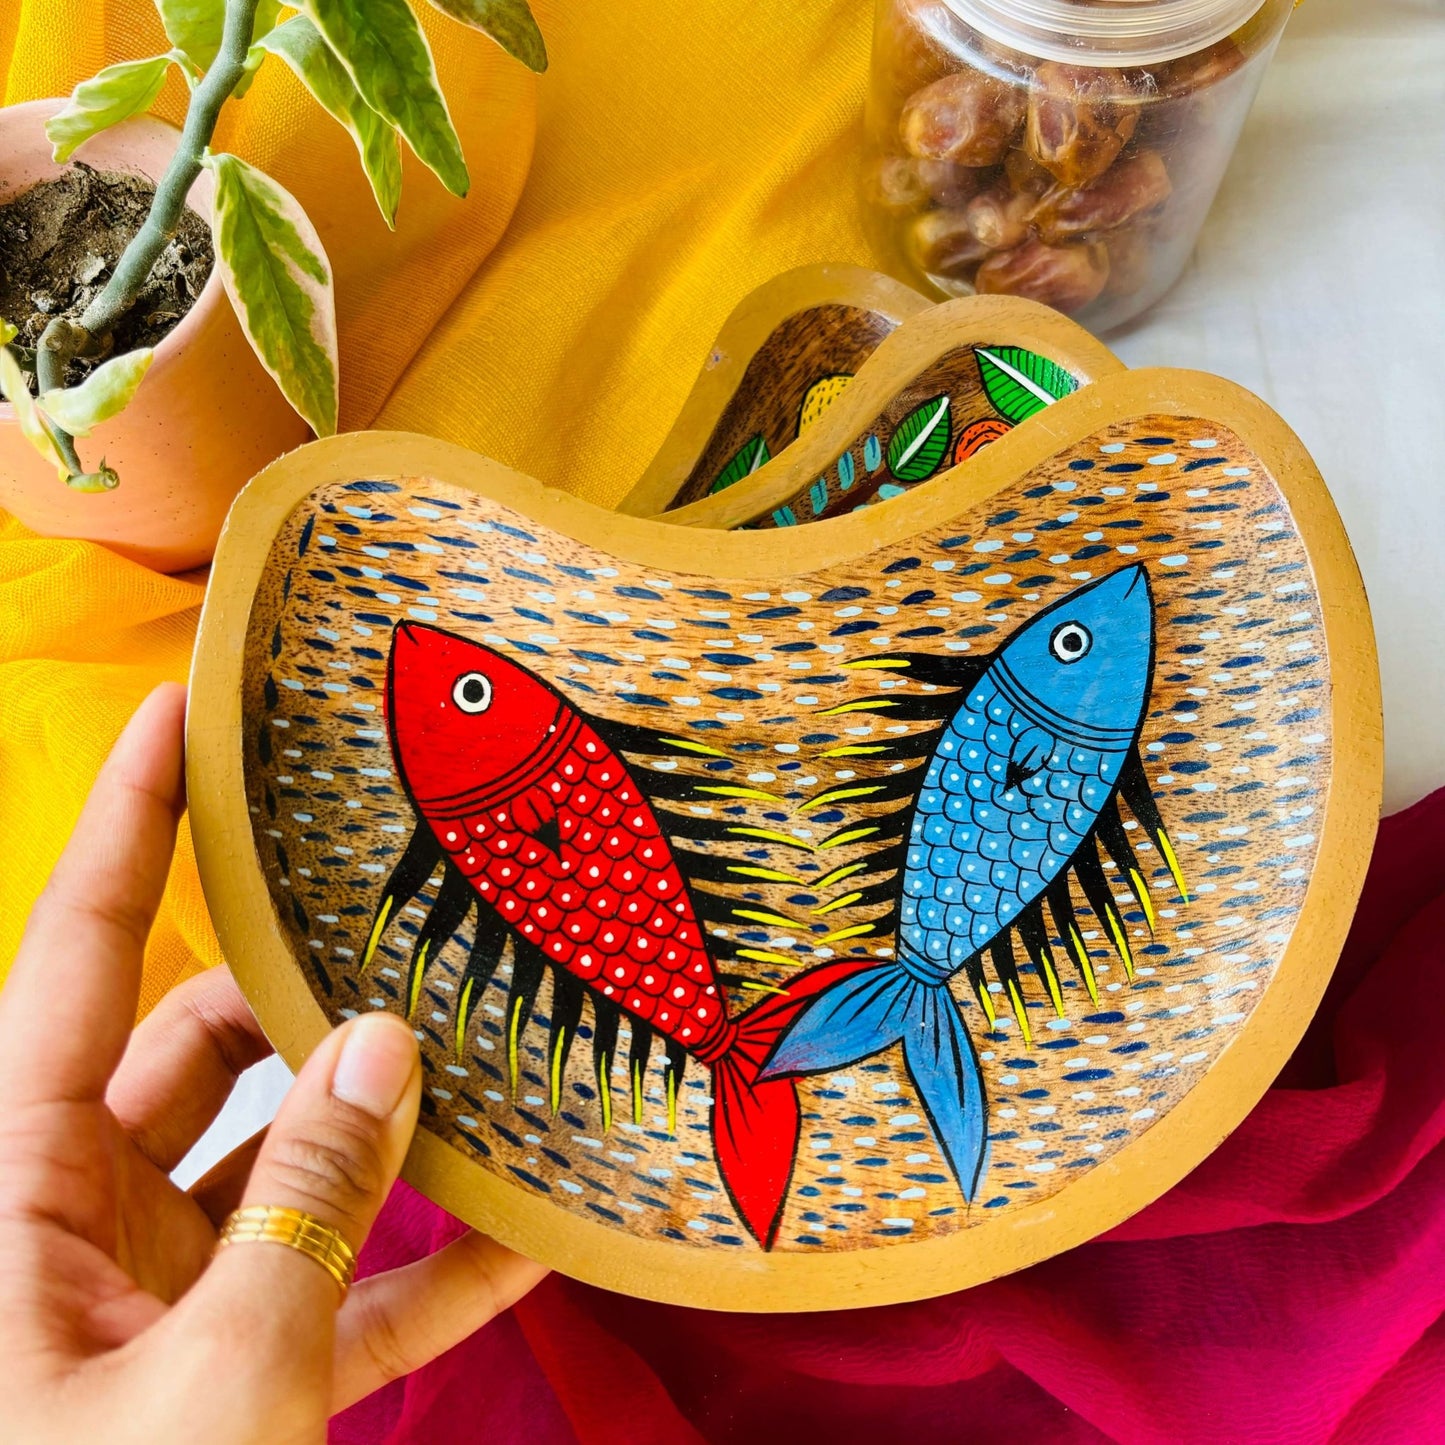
(1083, 185)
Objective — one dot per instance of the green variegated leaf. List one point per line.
(300, 45)
(116, 94)
(32, 424)
(106, 391)
(509, 22)
(279, 280)
(752, 455)
(195, 26)
(921, 440)
(7, 332)
(385, 53)
(1020, 383)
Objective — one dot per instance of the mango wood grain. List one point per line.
(930, 352)
(263, 952)
(809, 322)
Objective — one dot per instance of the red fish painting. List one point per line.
(539, 823)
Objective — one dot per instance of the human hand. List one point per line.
(116, 1323)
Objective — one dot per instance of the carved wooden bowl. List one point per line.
(804, 917)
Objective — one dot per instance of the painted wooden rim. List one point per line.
(750, 325)
(1100, 1199)
(910, 350)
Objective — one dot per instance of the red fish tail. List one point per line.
(755, 1123)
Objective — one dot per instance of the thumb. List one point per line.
(334, 1151)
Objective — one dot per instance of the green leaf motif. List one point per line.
(754, 454)
(300, 45)
(31, 423)
(1021, 383)
(921, 440)
(115, 94)
(387, 56)
(279, 280)
(195, 26)
(105, 392)
(509, 22)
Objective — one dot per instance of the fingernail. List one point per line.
(375, 1065)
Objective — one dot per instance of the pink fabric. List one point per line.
(1290, 1289)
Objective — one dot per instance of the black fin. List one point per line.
(1115, 838)
(488, 943)
(1035, 940)
(1066, 925)
(606, 1018)
(676, 1057)
(940, 669)
(637, 1064)
(454, 901)
(529, 965)
(422, 857)
(1090, 873)
(568, 991)
(1001, 950)
(1134, 789)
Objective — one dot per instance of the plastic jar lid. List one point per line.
(1106, 32)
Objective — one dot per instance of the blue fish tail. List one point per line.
(943, 1064)
(869, 1012)
(852, 1020)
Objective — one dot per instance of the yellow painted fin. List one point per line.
(377, 929)
(1140, 889)
(856, 931)
(512, 1025)
(757, 915)
(837, 876)
(463, 1014)
(418, 971)
(637, 1091)
(837, 903)
(1121, 940)
(1167, 849)
(604, 1090)
(559, 1048)
(1020, 1013)
(985, 1003)
(1085, 963)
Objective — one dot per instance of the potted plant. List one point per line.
(162, 340)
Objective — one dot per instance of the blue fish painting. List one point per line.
(1020, 793)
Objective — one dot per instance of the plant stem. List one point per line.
(64, 340)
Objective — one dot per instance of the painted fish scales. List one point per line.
(1019, 792)
(983, 847)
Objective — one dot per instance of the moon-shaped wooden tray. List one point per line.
(803, 917)
(765, 439)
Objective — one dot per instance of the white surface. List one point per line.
(1319, 284)
(251, 1107)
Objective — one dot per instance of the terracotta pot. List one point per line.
(206, 418)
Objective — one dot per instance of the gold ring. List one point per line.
(313, 1237)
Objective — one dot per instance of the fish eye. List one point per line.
(1070, 641)
(472, 692)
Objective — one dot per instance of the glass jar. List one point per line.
(1063, 150)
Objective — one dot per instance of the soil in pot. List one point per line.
(59, 242)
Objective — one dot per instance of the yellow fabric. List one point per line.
(685, 153)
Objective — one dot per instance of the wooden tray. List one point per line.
(833, 388)
(744, 729)
(777, 363)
